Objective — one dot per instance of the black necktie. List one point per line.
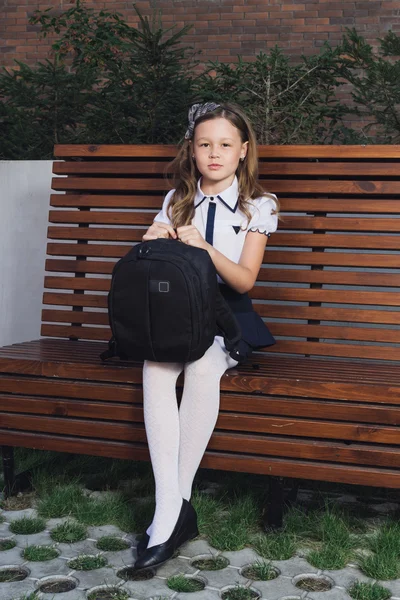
(210, 221)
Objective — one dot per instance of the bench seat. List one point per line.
(303, 418)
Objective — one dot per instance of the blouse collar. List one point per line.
(229, 197)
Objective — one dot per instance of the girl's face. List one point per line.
(217, 149)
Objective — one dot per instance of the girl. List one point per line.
(219, 206)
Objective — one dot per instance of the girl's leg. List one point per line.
(161, 420)
(198, 412)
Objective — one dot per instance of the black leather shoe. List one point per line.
(142, 544)
(185, 529)
(144, 540)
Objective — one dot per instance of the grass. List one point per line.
(383, 560)
(239, 593)
(180, 583)
(27, 525)
(39, 553)
(7, 544)
(261, 571)
(368, 591)
(69, 532)
(213, 563)
(229, 508)
(275, 546)
(240, 520)
(111, 543)
(87, 562)
(109, 593)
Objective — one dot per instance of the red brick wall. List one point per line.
(223, 29)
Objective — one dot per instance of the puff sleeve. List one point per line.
(263, 219)
(162, 216)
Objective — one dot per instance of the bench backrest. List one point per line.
(329, 285)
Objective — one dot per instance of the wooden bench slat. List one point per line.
(77, 283)
(155, 167)
(350, 380)
(322, 313)
(341, 205)
(345, 224)
(302, 469)
(336, 332)
(350, 241)
(300, 151)
(339, 350)
(95, 233)
(69, 316)
(264, 292)
(355, 278)
(102, 217)
(320, 169)
(79, 266)
(334, 259)
(129, 405)
(92, 250)
(105, 201)
(289, 223)
(331, 205)
(87, 300)
(301, 186)
(266, 274)
(70, 331)
(278, 329)
(338, 168)
(131, 431)
(102, 184)
(291, 257)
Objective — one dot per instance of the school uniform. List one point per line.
(222, 224)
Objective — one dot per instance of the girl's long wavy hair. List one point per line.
(186, 174)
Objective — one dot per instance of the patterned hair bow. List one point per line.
(195, 112)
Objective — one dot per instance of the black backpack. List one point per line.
(165, 305)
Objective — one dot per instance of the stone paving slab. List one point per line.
(202, 595)
(392, 585)
(333, 594)
(277, 588)
(9, 591)
(174, 566)
(294, 566)
(44, 568)
(149, 588)
(346, 577)
(11, 557)
(197, 547)
(283, 587)
(42, 538)
(83, 547)
(5, 530)
(238, 558)
(89, 579)
(223, 577)
(120, 558)
(105, 530)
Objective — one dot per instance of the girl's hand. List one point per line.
(159, 230)
(189, 234)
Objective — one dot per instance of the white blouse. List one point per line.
(230, 224)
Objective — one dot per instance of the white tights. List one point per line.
(177, 439)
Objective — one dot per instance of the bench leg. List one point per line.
(274, 511)
(277, 503)
(7, 453)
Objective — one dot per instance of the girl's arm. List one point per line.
(241, 277)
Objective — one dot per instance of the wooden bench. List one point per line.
(322, 404)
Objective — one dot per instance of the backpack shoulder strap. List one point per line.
(227, 322)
